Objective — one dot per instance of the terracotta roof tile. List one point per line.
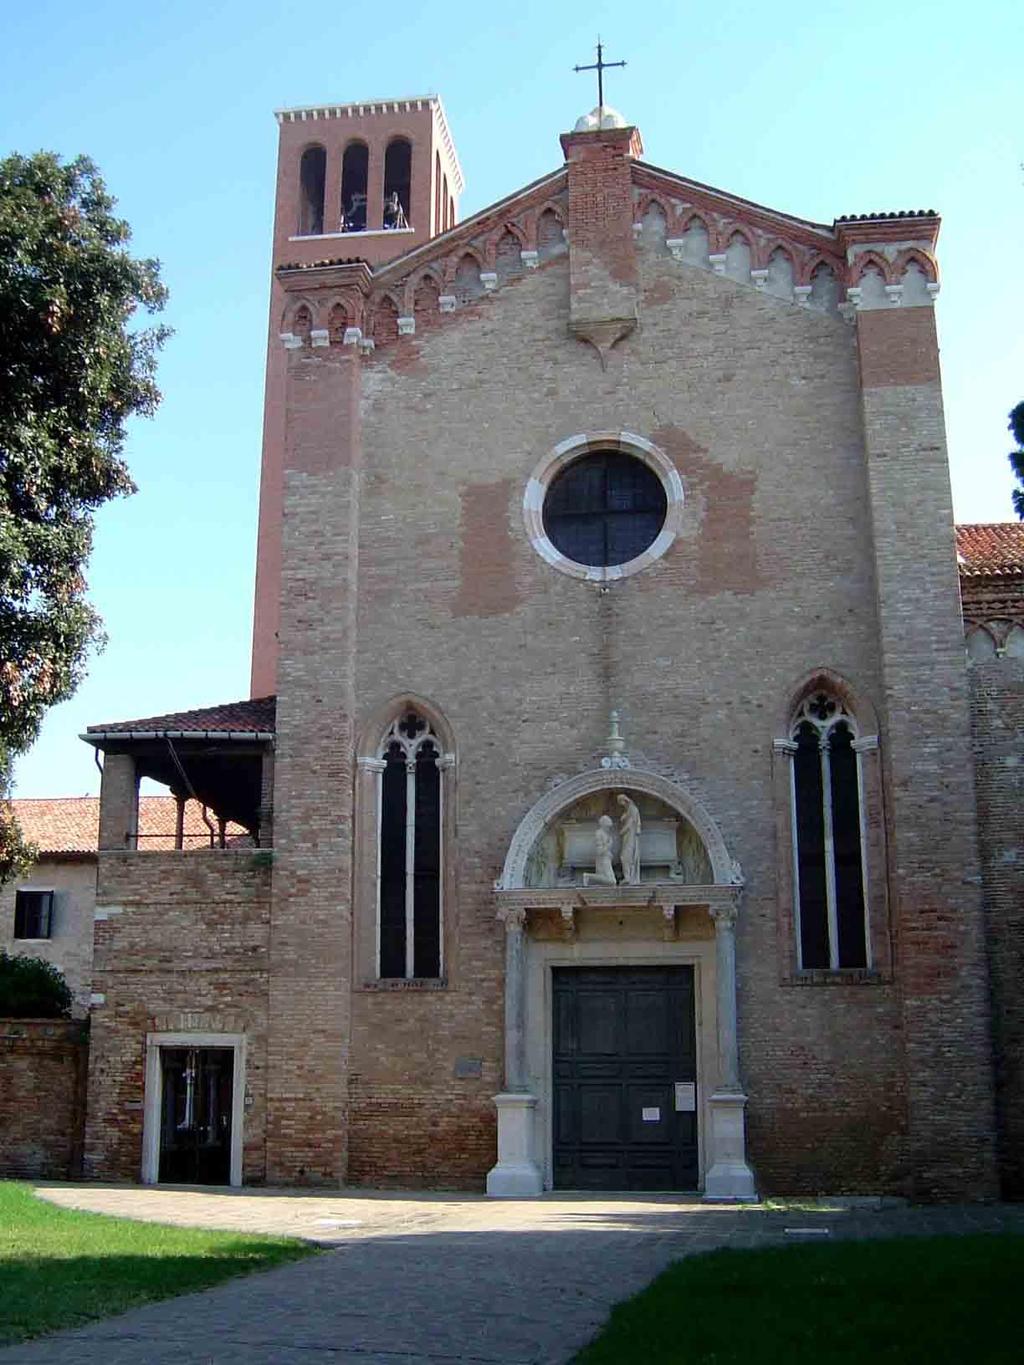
(994, 548)
(257, 714)
(70, 824)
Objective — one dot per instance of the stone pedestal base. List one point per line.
(730, 1178)
(517, 1175)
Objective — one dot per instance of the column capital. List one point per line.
(513, 917)
(371, 765)
(725, 914)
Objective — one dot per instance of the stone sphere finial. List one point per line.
(601, 116)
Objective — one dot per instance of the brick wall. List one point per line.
(757, 402)
(935, 893)
(997, 715)
(42, 1098)
(181, 945)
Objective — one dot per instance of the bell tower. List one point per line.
(368, 181)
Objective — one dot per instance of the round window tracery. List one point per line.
(602, 506)
(605, 508)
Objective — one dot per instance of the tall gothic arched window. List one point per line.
(409, 905)
(828, 836)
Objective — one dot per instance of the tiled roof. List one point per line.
(874, 217)
(238, 717)
(994, 548)
(328, 260)
(70, 824)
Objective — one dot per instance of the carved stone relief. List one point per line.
(612, 837)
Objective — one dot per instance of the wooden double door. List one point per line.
(195, 1119)
(625, 1079)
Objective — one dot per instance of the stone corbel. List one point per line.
(567, 914)
(676, 245)
(320, 336)
(603, 334)
(717, 262)
(759, 279)
(290, 341)
(406, 327)
(933, 289)
(894, 293)
(855, 295)
(802, 295)
(637, 230)
(353, 336)
(670, 923)
(447, 303)
(530, 259)
(489, 280)
(367, 345)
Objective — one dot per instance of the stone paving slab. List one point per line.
(431, 1279)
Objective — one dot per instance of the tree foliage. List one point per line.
(73, 370)
(32, 989)
(1017, 457)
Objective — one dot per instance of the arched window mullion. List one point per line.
(830, 849)
(860, 747)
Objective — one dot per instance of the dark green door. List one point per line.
(625, 1071)
(195, 1128)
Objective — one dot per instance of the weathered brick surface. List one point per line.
(183, 948)
(311, 929)
(700, 661)
(42, 1080)
(815, 540)
(997, 715)
(935, 891)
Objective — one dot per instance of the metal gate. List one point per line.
(195, 1120)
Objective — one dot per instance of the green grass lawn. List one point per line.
(916, 1299)
(59, 1268)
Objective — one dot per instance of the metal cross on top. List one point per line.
(600, 66)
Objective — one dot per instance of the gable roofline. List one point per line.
(443, 242)
(407, 104)
(747, 207)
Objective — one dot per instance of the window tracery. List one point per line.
(828, 837)
(409, 896)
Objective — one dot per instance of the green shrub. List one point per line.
(32, 989)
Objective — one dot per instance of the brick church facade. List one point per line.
(610, 759)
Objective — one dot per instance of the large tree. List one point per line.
(1017, 457)
(74, 367)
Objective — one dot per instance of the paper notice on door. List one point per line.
(686, 1097)
(651, 1115)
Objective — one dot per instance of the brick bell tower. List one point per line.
(354, 181)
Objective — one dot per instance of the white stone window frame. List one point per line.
(859, 745)
(367, 861)
(570, 450)
(153, 1097)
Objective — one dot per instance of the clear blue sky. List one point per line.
(816, 110)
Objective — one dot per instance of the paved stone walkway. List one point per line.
(427, 1279)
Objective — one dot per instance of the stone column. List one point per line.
(516, 1175)
(729, 1177)
(515, 1001)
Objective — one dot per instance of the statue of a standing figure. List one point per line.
(629, 840)
(604, 873)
